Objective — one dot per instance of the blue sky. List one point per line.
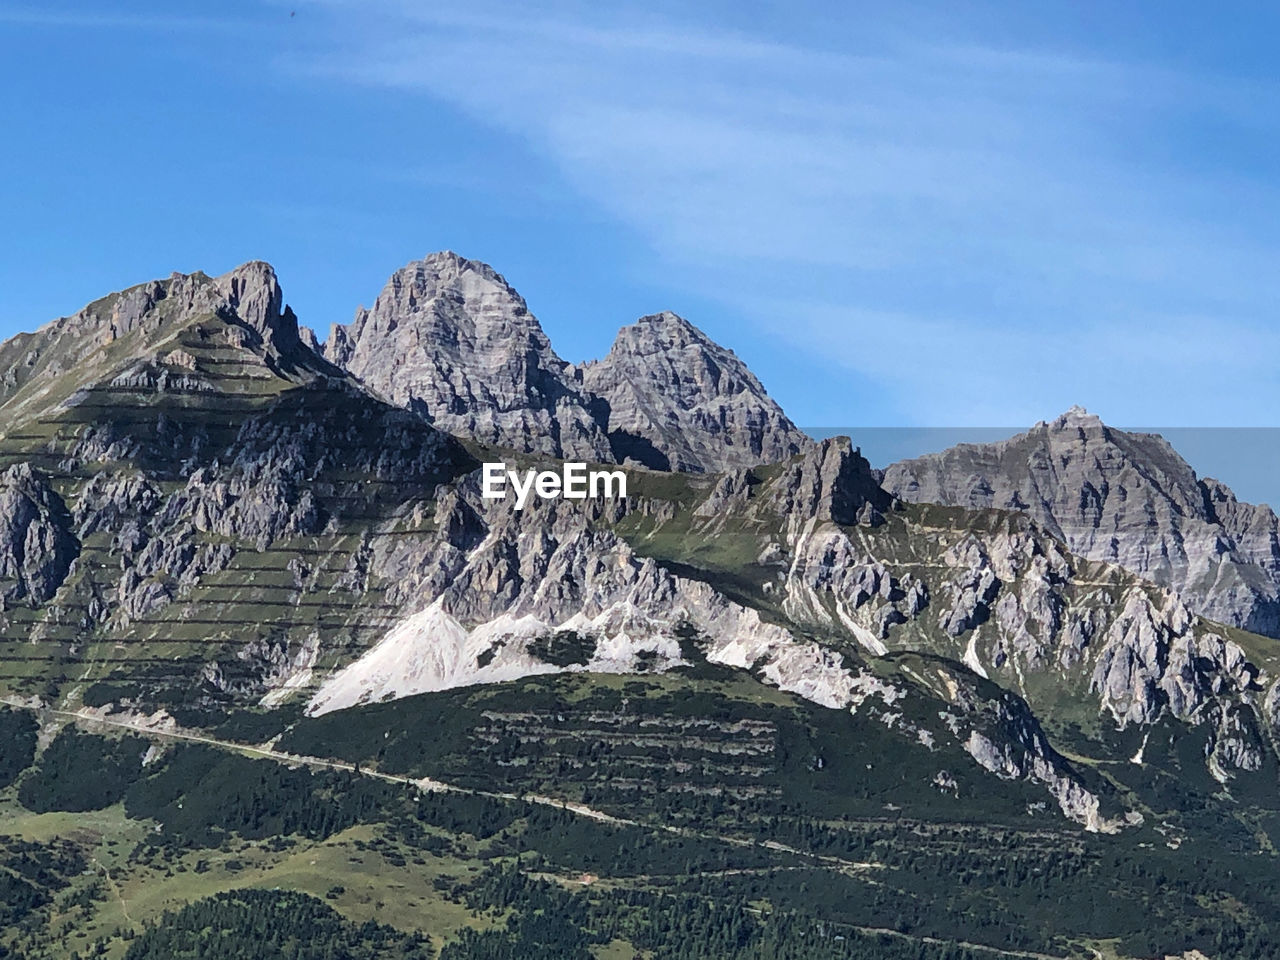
(900, 214)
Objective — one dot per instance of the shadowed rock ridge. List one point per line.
(37, 546)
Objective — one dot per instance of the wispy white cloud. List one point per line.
(1001, 227)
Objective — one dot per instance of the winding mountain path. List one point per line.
(430, 784)
(579, 809)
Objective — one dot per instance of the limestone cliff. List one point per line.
(1123, 498)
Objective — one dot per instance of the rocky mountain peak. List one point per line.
(1124, 498)
(140, 330)
(465, 299)
(310, 341)
(680, 401)
(831, 482)
(1076, 416)
(252, 292)
(664, 330)
(446, 265)
(671, 345)
(449, 338)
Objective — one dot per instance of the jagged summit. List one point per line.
(663, 332)
(416, 287)
(468, 282)
(253, 292)
(449, 338)
(692, 403)
(199, 392)
(1121, 497)
(1075, 417)
(666, 320)
(154, 333)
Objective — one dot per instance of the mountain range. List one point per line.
(448, 338)
(215, 529)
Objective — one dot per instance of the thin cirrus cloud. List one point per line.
(979, 233)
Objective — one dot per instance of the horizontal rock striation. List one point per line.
(198, 511)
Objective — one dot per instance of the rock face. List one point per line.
(679, 401)
(503, 594)
(1123, 498)
(1010, 603)
(544, 575)
(37, 546)
(177, 432)
(832, 483)
(450, 339)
